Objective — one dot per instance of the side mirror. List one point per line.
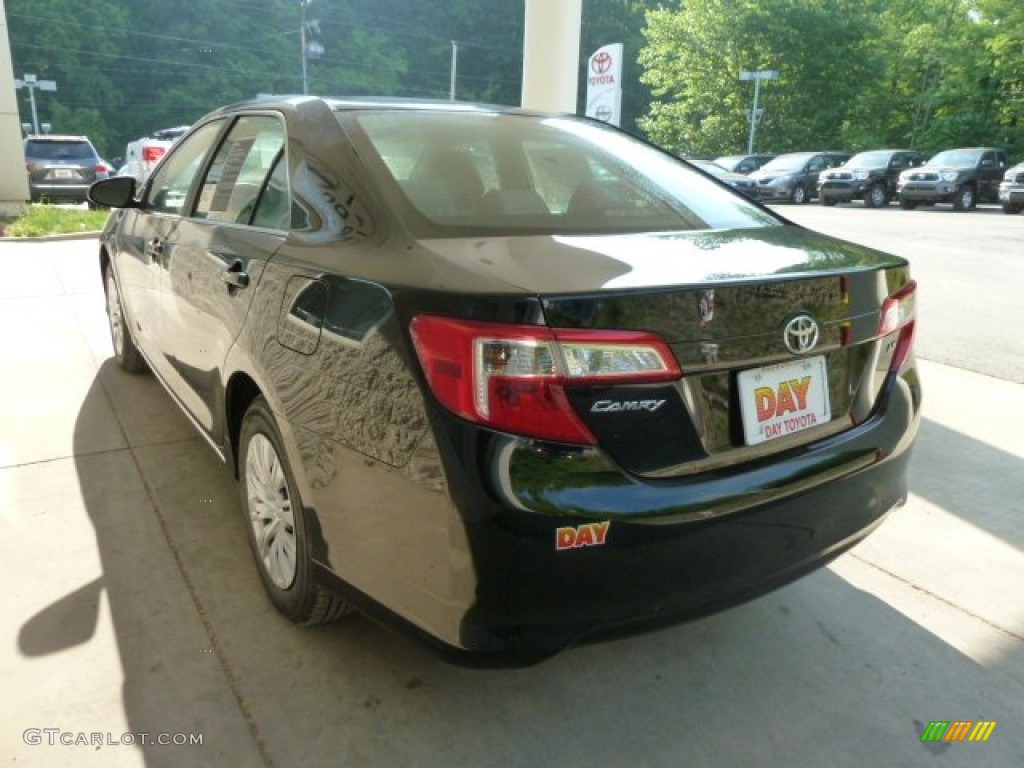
(115, 192)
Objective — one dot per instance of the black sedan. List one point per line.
(509, 381)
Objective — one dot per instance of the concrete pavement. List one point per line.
(130, 605)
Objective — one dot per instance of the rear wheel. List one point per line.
(276, 521)
(876, 196)
(908, 205)
(127, 354)
(798, 195)
(965, 199)
(1012, 208)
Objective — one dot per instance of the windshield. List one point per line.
(791, 163)
(957, 157)
(448, 174)
(869, 160)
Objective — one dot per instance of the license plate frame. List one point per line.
(783, 399)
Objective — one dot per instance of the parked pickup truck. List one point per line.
(142, 155)
(1011, 191)
(962, 177)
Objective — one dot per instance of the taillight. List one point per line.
(513, 377)
(102, 168)
(898, 314)
(152, 154)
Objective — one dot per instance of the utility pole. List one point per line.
(302, 42)
(309, 47)
(757, 77)
(455, 67)
(31, 82)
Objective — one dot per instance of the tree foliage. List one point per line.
(853, 73)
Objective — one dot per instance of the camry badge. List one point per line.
(800, 334)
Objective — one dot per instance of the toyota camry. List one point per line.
(504, 380)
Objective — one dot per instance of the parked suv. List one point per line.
(958, 176)
(61, 168)
(142, 155)
(1011, 191)
(869, 176)
(794, 177)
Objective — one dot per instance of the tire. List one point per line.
(799, 195)
(965, 199)
(876, 196)
(276, 523)
(826, 201)
(125, 351)
(1012, 208)
(908, 205)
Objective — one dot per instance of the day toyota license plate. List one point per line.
(778, 400)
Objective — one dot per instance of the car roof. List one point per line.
(865, 151)
(972, 149)
(55, 137)
(298, 103)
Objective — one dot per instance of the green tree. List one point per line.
(696, 50)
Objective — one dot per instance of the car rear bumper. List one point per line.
(1011, 194)
(51, 191)
(630, 555)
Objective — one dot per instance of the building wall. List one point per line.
(13, 178)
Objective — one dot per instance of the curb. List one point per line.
(53, 238)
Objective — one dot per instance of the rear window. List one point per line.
(459, 173)
(59, 150)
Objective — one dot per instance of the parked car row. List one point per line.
(961, 177)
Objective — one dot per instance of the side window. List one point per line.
(746, 166)
(231, 190)
(816, 164)
(274, 209)
(988, 159)
(169, 186)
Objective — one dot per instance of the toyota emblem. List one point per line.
(800, 334)
(601, 62)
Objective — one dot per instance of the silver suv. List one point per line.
(61, 168)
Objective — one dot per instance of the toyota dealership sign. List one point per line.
(604, 84)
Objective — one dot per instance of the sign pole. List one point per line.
(757, 76)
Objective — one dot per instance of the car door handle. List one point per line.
(235, 275)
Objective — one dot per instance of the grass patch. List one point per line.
(43, 220)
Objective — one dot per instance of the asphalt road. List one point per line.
(970, 273)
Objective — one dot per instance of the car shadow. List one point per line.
(174, 685)
(817, 673)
